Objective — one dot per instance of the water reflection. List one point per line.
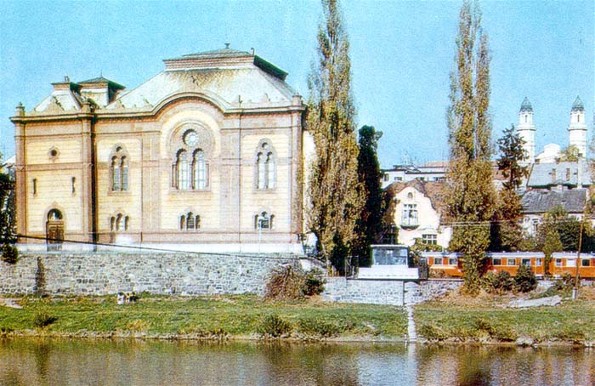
(74, 362)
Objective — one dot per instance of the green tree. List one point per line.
(470, 195)
(335, 191)
(369, 224)
(570, 154)
(7, 218)
(568, 229)
(506, 230)
(551, 244)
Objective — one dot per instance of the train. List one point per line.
(449, 265)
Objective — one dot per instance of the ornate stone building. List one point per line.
(203, 156)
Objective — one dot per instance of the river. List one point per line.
(104, 362)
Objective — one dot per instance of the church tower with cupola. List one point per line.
(577, 130)
(526, 129)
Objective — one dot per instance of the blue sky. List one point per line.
(402, 53)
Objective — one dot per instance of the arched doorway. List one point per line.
(54, 230)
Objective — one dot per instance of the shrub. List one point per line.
(10, 254)
(321, 328)
(562, 286)
(565, 283)
(289, 283)
(498, 283)
(285, 283)
(274, 326)
(313, 282)
(43, 319)
(432, 333)
(525, 280)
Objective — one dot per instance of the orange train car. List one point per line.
(450, 264)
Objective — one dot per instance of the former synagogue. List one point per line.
(204, 156)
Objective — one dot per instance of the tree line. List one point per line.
(347, 205)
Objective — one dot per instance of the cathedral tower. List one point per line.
(577, 130)
(526, 129)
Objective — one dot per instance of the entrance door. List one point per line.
(55, 230)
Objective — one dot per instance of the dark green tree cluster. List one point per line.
(336, 193)
(561, 232)
(506, 230)
(369, 224)
(470, 195)
(7, 219)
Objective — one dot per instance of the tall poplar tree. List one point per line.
(470, 196)
(335, 192)
(369, 224)
(507, 232)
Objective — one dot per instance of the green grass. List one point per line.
(199, 317)
(570, 322)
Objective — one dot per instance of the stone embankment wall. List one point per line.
(156, 273)
(394, 292)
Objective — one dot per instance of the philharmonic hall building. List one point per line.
(204, 156)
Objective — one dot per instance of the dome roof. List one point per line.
(526, 105)
(578, 105)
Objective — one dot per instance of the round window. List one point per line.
(191, 138)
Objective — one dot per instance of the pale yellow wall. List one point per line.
(38, 149)
(54, 190)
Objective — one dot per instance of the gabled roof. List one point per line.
(228, 78)
(101, 80)
(560, 173)
(434, 190)
(225, 57)
(542, 200)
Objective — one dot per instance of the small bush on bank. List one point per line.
(10, 254)
(313, 282)
(43, 319)
(525, 280)
(290, 283)
(432, 332)
(320, 328)
(274, 326)
(562, 286)
(498, 283)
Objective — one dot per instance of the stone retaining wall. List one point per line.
(156, 273)
(394, 292)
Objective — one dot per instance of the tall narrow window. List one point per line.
(119, 170)
(265, 167)
(115, 174)
(199, 169)
(73, 185)
(124, 167)
(183, 171)
(34, 186)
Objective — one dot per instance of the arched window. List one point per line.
(265, 167)
(200, 170)
(119, 223)
(189, 221)
(119, 170)
(190, 170)
(263, 220)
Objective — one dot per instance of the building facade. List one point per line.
(203, 156)
(416, 212)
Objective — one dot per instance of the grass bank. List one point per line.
(488, 319)
(219, 317)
